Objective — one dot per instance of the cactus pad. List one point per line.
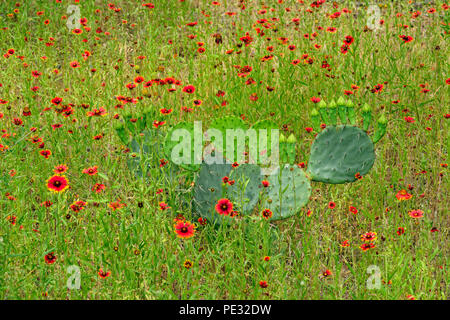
(151, 152)
(288, 191)
(169, 146)
(244, 193)
(224, 124)
(210, 188)
(340, 152)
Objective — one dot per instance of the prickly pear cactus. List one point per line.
(174, 150)
(342, 153)
(145, 152)
(288, 191)
(224, 124)
(143, 141)
(134, 159)
(122, 133)
(244, 192)
(209, 188)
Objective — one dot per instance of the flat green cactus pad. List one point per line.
(150, 148)
(209, 189)
(340, 152)
(134, 159)
(228, 122)
(186, 130)
(245, 191)
(224, 124)
(288, 191)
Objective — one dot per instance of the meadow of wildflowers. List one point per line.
(82, 216)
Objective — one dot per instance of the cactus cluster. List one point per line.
(340, 153)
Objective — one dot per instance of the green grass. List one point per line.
(138, 243)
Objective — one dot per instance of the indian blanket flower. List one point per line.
(56, 101)
(98, 187)
(367, 246)
(91, 170)
(189, 89)
(184, 229)
(378, 88)
(57, 183)
(60, 169)
(224, 207)
(416, 214)
(100, 112)
(77, 206)
(369, 236)
(403, 195)
(326, 273)
(12, 219)
(45, 153)
(400, 231)
(50, 258)
(353, 210)
(406, 39)
(188, 264)
(104, 274)
(116, 205)
(267, 214)
(163, 206)
(345, 244)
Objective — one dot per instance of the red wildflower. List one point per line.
(98, 187)
(184, 229)
(416, 214)
(369, 236)
(163, 206)
(57, 183)
(45, 153)
(116, 205)
(104, 274)
(91, 170)
(367, 246)
(400, 231)
(50, 258)
(267, 213)
(224, 207)
(403, 195)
